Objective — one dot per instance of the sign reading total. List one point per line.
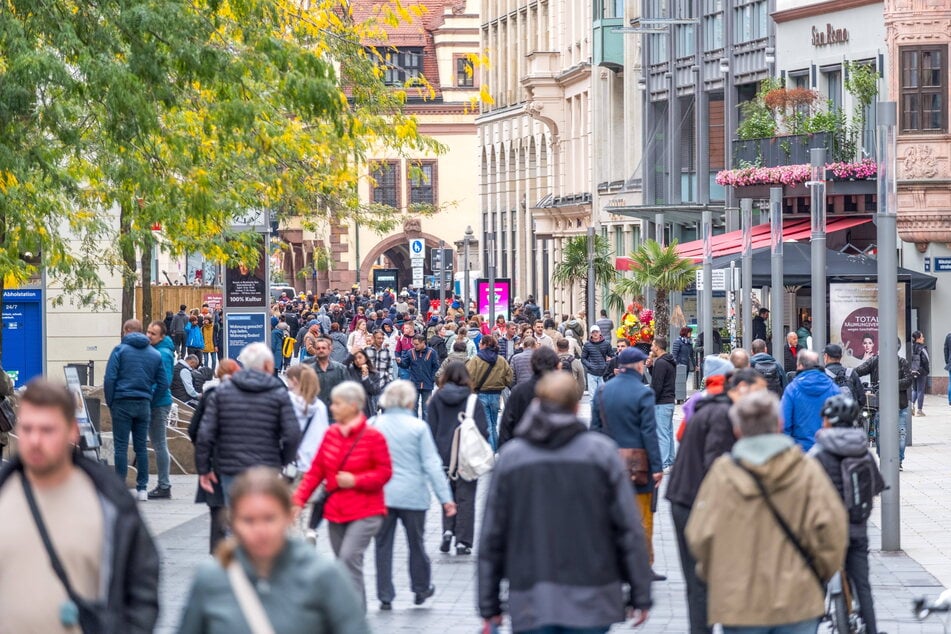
(830, 35)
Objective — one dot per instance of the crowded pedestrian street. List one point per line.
(922, 570)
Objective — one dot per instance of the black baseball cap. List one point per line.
(834, 351)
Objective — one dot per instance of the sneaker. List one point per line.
(921, 412)
(462, 549)
(311, 537)
(386, 606)
(655, 576)
(901, 466)
(421, 597)
(160, 493)
(142, 496)
(446, 542)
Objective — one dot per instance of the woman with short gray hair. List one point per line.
(415, 461)
(354, 463)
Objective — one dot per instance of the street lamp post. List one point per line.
(776, 279)
(592, 290)
(746, 304)
(706, 298)
(888, 336)
(441, 275)
(490, 243)
(818, 185)
(465, 264)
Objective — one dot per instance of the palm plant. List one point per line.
(574, 264)
(662, 269)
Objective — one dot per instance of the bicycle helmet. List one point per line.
(840, 410)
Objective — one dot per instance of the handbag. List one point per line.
(248, 600)
(635, 459)
(90, 615)
(320, 500)
(8, 417)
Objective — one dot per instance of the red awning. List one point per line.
(732, 242)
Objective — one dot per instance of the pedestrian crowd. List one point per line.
(365, 406)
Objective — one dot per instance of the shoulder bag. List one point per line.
(89, 615)
(790, 535)
(320, 500)
(634, 459)
(248, 600)
(485, 377)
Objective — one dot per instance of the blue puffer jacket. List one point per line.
(135, 370)
(193, 336)
(802, 405)
(167, 349)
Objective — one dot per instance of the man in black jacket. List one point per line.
(530, 514)
(870, 368)
(841, 375)
(759, 324)
(177, 330)
(707, 436)
(249, 421)
(663, 382)
(544, 360)
(93, 525)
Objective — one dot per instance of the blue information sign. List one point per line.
(242, 329)
(23, 334)
(942, 265)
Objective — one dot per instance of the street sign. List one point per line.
(719, 279)
(942, 265)
(442, 259)
(23, 336)
(243, 329)
(927, 265)
(418, 277)
(417, 251)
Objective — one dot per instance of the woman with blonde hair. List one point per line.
(263, 581)
(304, 389)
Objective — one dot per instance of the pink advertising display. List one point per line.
(503, 297)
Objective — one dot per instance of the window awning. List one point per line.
(732, 243)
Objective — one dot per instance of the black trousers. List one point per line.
(179, 340)
(462, 524)
(856, 569)
(420, 570)
(696, 589)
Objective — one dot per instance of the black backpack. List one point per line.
(861, 482)
(770, 371)
(841, 379)
(566, 363)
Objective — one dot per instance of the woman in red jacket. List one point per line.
(354, 462)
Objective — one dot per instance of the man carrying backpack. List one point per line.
(844, 378)
(842, 450)
(766, 364)
(571, 365)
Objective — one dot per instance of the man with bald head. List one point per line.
(740, 358)
(134, 374)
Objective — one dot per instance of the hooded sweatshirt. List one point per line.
(443, 416)
(135, 370)
(802, 405)
(166, 348)
(552, 484)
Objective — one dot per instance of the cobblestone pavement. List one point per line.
(182, 530)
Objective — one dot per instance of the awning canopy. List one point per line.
(840, 267)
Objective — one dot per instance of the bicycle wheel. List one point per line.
(840, 614)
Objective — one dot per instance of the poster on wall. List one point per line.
(245, 285)
(243, 329)
(503, 297)
(853, 320)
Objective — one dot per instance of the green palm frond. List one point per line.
(573, 266)
(659, 267)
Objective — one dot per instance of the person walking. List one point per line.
(261, 570)
(177, 330)
(791, 352)
(707, 436)
(803, 399)
(214, 499)
(60, 506)
(572, 365)
(759, 325)
(663, 382)
(920, 369)
(734, 531)
(595, 356)
(161, 407)
(682, 352)
(543, 362)
(624, 410)
(531, 515)
(381, 356)
(768, 367)
(870, 368)
(194, 339)
(522, 361)
(841, 375)
(134, 374)
(421, 364)
(354, 464)
(606, 324)
(210, 350)
(362, 370)
(491, 374)
(329, 372)
(458, 354)
(445, 408)
(312, 417)
(248, 421)
(415, 463)
(840, 440)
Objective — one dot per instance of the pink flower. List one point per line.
(792, 175)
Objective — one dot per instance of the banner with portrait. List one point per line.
(853, 320)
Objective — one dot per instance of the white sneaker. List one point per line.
(311, 537)
(142, 496)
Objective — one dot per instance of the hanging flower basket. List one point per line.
(792, 175)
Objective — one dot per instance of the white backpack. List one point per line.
(471, 456)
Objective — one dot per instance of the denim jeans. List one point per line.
(132, 415)
(422, 400)
(665, 432)
(159, 439)
(903, 415)
(918, 391)
(557, 629)
(210, 360)
(491, 403)
(594, 382)
(802, 627)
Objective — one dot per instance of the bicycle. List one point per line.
(869, 415)
(842, 606)
(922, 608)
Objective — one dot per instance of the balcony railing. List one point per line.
(781, 150)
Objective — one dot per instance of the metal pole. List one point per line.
(592, 290)
(818, 158)
(776, 304)
(490, 243)
(442, 279)
(465, 264)
(746, 297)
(888, 337)
(706, 297)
